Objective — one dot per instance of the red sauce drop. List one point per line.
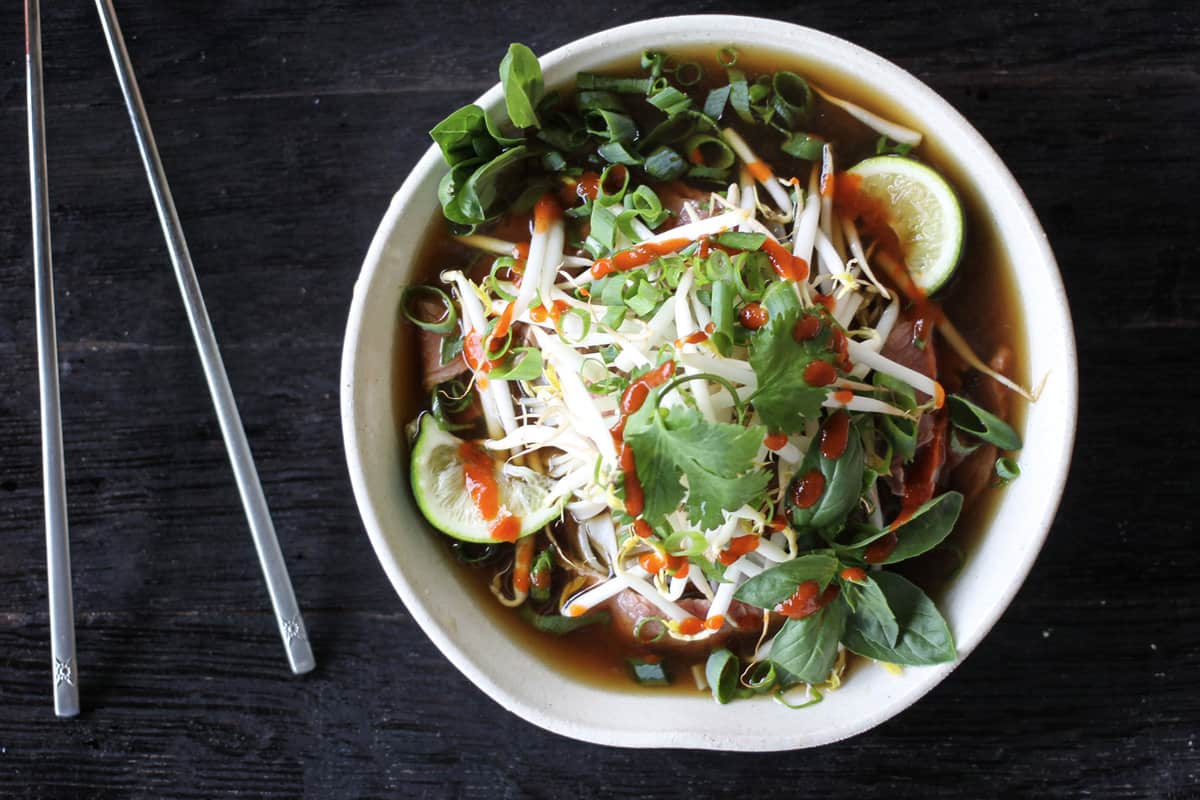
(695, 337)
(508, 529)
(787, 266)
(853, 574)
(635, 498)
(521, 251)
(835, 433)
(806, 601)
(479, 475)
(778, 524)
(775, 441)
(524, 559)
(843, 396)
(806, 328)
(538, 313)
(636, 393)
(545, 212)
(502, 325)
(691, 626)
(819, 373)
(473, 353)
(642, 528)
(826, 300)
(760, 170)
(808, 489)
(738, 546)
(841, 348)
(878, 550)
(753, 316)
(637, 256)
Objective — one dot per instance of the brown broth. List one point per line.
(981, 300)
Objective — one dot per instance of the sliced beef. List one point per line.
(629, 608)
(972, 473)
(433, 371)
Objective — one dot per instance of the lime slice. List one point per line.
(925, 214)
(439, 486)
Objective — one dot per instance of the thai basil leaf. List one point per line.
(521, 77)
(843, 486)
(928, 526)
(560, 625)
(805, 650)
(451, 348)
(871, 613)
(457, 134)
(775, 585)
(450, 193)
(901, 432)
(924, 637)
(722, 670)
(982, 423)
(492, 188)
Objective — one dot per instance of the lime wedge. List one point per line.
(439, 486)
(924, 213)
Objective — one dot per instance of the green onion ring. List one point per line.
(449, 317)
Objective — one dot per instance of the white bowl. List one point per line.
(416, 562)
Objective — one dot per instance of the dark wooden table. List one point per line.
(285, 126)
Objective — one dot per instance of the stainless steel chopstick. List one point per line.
(287, 613)
(58, 546)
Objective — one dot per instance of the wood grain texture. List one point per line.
(285, 126)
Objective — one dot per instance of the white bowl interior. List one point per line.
(416, 562)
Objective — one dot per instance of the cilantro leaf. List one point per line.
(716, 458)
(784, 400)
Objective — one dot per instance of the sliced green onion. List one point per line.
(1007, 470)
(590, 100)
(449, 317)
(739, 94)
(603, 226)
(553, 161)
(714, 104)
(718, 266)
(709, 175)
(491, 353)
(472, 552)
(609, 198)
(611, 125)
(618, 153)
(649, 672)
(525, 364)
(664, 164)
(804, 146)
(885, 146)
(742, 241)
(721, 670)
(723, 316)
(727, 56)
(670, 100)
(760, 677)
(643, 622)
(503, 262)
(689, 73)
(648, 206)
(590, 80)
(452, 395)
(793, 98)
(560, 625)
(585, 320)
(752, 272)
(816, 698)
(980, 422)
(653, 61)
(714, 152)
(686, 543)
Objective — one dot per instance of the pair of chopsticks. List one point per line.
(58, 559)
